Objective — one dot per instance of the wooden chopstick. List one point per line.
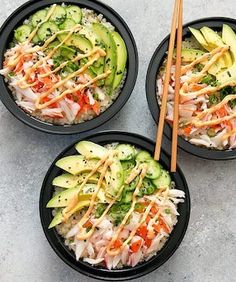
(174, 146)
(167, 81)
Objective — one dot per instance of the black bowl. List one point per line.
(56, 241)
(151, 88)
(23, 12)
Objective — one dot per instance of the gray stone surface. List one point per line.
(209, 247)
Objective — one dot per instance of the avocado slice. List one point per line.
(114, 178)
(67, 180)
(214, 40)
(59, 216)
(105, 36)
(189, 55)
(229, 38)
(91, 150)
(76, 164)
(199, 37)
(77, 40)
(63, 198)
(121, 58)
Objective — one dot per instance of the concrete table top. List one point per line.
(208, 251)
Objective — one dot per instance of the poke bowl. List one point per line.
(66, 66)
(109, 210)
(207, 109)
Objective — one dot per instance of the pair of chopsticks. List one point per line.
(176, 28)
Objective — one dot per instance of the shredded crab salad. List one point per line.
(114, 205)
(207, 109)
(65, 65)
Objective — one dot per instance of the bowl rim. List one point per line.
(27, 9)
(155, 63)
(170, 247)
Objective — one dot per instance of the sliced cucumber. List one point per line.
(153, 170)
(36, 40)
(91, 150)
(68, 24)
(74, 12)
(147, 188)
(76, 164)
(46, 30)
(22, 33)
(163, 181)
(132, 185)
(59, 15)
(126, 197)
(143, 156)
(125, 152)
(128, 165)
(39, 17)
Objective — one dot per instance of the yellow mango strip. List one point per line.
(49, 14)
(43, 60)
(143, 220)
(110, 249)
(199, 60)
(217, 106)
(196, 78)
(155, 218)
(71, 91)
(77, 58)
(85, 217)
(229, 134)
(208, 89)
(213, 121)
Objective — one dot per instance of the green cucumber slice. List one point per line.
(22, 33)
(153, 170)
(143, 156)
(128, 165)
(39, 17)
(59, 15)
(125, 152)
(74, 12)
(163, 181)
(68, 24)
(147, 188)
(46, 30)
